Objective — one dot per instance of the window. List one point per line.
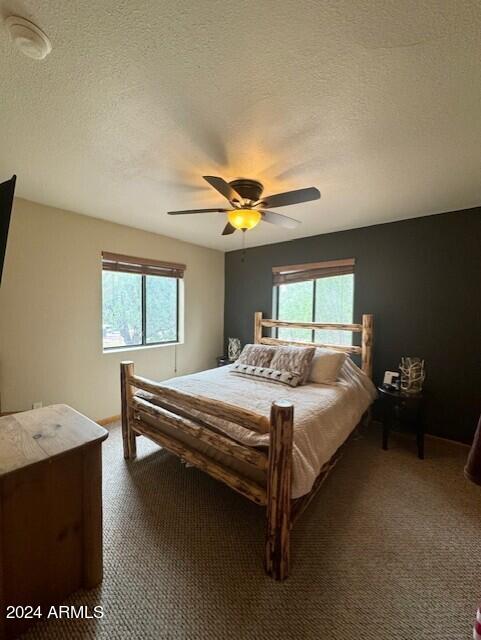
(316, 292)
(140, 301)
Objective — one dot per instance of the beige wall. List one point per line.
(50, 310)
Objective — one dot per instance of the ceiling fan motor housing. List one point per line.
(248, 189)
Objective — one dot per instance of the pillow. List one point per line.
(257, 355)
(297, 360)
(273, 375)
(326, 365)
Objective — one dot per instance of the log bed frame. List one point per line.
(275, 496)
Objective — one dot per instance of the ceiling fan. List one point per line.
(250, 207)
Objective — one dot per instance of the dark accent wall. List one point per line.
(421, 278)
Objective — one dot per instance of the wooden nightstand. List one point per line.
(400, 410)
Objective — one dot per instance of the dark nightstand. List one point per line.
(402, 410)
(222, 361)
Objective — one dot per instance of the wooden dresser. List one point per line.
(50, 509)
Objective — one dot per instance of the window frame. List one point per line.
(144, 268)
(276, 297)
(144, 313)
(313, 314)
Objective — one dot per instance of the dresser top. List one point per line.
(33, 436)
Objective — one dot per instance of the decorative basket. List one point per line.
(233, 348)
(412, 375)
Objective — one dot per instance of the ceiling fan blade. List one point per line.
(291, 197)
(228, 229)
(280, 220)
(182, 213)
(223, 188)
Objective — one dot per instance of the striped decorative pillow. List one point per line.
(273, 375)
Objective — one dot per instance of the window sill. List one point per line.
(141, 347)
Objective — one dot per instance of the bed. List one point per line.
(272, 443)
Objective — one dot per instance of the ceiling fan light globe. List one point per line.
(244, 219)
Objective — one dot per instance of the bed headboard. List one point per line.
(366, 329)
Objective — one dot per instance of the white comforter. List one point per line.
(324, 415)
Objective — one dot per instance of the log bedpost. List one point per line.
(279, 490)
(257, 327)
(367, 342)
(128, 435)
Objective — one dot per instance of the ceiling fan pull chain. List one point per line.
(243, 245)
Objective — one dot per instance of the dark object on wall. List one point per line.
(6, 200)
(420, 279)
(472, 470)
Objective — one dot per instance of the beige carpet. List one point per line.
(390, 549)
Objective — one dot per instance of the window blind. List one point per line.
(144, 266)
(312, 271)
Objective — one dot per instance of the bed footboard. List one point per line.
(172, 409)
(140, 417)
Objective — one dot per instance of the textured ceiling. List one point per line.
(375, 102)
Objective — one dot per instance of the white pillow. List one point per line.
(326, 365)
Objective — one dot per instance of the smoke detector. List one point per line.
(28, 38)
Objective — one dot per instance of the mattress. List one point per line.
(324, 416)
